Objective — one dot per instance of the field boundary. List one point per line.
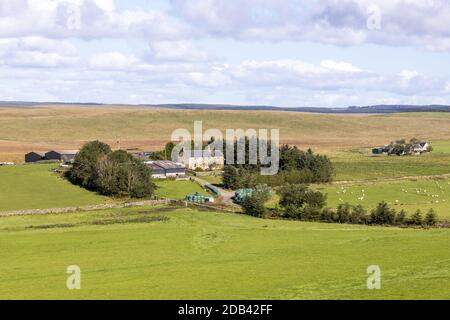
(85, 208)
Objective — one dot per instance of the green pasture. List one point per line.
(359, 164)
(178, 190)
(37, 187)
(410, 195)
(204, 255)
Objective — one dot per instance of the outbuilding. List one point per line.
(65, 156)
(34, 157)
(166, 169)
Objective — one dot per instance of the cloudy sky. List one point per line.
(273, 52)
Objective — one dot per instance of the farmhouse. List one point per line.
(66, 156)
(34, 157)
(166, 169)
(205, 160)
(421, 147)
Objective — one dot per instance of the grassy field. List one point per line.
(204, 255)
(177, 189)
(409, 195)
(149, 128)
(359, 164)
(37, 187)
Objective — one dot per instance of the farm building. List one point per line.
(7, 164)
(204, 160)
(166, 169)
(34, 157)
(65, 156)
(421, 147)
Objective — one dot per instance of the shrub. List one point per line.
(416, 219)
(293, 195)
(343, 213)
(358, 215)
(382, 214)
(431, 218)
(255, 204)
(401, 218)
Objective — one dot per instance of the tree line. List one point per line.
(299, 202)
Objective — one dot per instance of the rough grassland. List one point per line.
(37, 187)
(203, 255)
(25, 129)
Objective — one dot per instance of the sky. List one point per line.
(286, 53)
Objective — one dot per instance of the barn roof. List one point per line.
(64, 152)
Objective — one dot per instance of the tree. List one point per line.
(431, 218)
(230, 178)
(417, 218)
(122, 175)
(343, 213)
(293, 195)
(84, 169)
(255, 204)
(401, 218)
(382, 214)
(316, 199)
(358, 215)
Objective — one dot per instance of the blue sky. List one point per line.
(285, 53)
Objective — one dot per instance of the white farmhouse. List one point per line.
(205, 160)
(421, 147)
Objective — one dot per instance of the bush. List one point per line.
(358, 215)
(293, 195)
(401, 218)
(431, 218)
(383, 215)
(255, 204)
(343, 213)
(416, 219)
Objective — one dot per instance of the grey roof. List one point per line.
(167, 165)
(42, 154)
(156, 169)
(66, 152)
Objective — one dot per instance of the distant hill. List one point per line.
(193, 106)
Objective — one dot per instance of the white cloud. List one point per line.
(112, 61)
(339, 66)
(178, 51)
(37, 52)
(344, 22)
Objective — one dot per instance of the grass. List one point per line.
(177, 189)
(204, 255)
(149, 128)
(359, 164)
(215, 180)
(407, 195)
(37, 187)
